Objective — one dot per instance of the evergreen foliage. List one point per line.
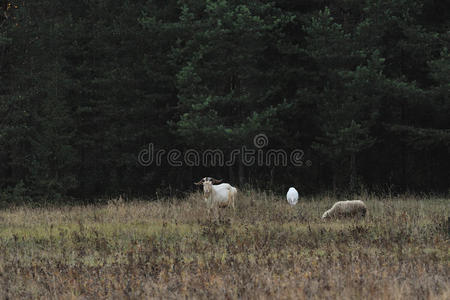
(362, 87)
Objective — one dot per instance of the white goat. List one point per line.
(222, 194)
(351, 208)
(292, 196)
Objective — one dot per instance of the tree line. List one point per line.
(360, 88)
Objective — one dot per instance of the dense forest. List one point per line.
(362, 88)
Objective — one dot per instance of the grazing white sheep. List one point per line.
(292, 196)
(351, 208)
(222, 194)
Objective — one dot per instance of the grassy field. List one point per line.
(173, 248)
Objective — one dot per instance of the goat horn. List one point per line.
(216, 181)
(201, 181)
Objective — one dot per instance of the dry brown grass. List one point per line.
(265, 249)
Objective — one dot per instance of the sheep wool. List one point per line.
(351, 208)
(292, 196)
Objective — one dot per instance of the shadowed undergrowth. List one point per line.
(264, 249)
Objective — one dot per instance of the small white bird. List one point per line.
(292, 196)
